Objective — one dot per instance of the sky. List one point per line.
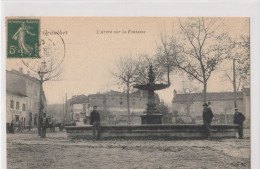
(94, 44)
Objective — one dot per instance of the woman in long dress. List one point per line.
(20, 36)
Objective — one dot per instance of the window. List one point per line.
(92, 98)
(17, 105)
(133, 102)
(11, 104)
(35, 118)
(84, 108)
(30, 117)
(23, 107)
(16, 117)
(121, 101)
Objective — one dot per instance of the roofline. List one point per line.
(207, 100)
(15, 93)
(240, 92)
(117, 93)
(24, 75)
(79, 102)
(208, 93)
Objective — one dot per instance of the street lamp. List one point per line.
(42, 71)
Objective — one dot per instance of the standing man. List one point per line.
(44, 125)
(239, 119)
(30, 123)
(95, 121)
(207, 119)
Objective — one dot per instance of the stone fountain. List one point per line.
(153, 127)
(151, 115)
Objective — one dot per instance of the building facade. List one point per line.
(25, 90)
(188, 107)
(80, 107)
(112, 106)
(15, 108)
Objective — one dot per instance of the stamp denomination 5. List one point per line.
(23, 38)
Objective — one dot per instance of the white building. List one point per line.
(80, 109)
(22, 97)
(15, 107)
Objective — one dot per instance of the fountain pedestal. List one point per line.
(151, 118)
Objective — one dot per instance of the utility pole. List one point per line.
(62, 114)
(66, 106)
(234, 83)
(105, 105)
(64, 111)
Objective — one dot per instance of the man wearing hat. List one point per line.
(95, 121)
(239, 119)
(44, 126)
(207, 119)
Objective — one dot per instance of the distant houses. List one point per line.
(188, 108)
(112, 106)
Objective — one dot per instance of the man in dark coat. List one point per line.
(44, 125)
(239, 119)
(207, 119)
(95, 121)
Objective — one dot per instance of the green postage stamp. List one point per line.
(23, 38)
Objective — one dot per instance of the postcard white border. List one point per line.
(250, 8)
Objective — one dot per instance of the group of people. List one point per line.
(239, 118)
(18, 125)
(46, 122)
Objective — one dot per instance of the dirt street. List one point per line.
(27, 150)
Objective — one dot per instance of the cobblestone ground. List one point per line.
(27, 150)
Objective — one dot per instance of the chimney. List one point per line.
(174, 93)
(28, 73)
(21, 70)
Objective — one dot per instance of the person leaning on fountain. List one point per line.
(239, 119)
(95, 121)
(207, 119)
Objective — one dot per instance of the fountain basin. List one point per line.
(153, 131)
(151, 118)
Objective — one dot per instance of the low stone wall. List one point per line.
(153, 131)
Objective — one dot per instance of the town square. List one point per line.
(128, 92)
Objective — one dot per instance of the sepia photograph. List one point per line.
(128, 92)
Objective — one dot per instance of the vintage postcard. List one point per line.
(128, 92)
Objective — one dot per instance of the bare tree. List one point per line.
(199, 51)
(242, 57)
(125, 72)
(47, 68)
(241, 54)
(164, 55)
(239, 80)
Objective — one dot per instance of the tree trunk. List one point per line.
(41, 106)
(168, 75)
(128, 105)
(205, 91)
